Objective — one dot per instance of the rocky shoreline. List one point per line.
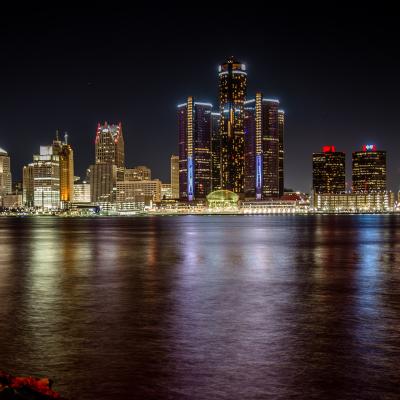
(26, 388)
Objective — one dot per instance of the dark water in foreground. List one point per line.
(198, 307)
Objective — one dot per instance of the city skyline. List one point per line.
(199, 201)
(239, 149)
(109, 136)
(336, 78)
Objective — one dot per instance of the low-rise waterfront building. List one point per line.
(382, 201)
(12, 200)
(166, 191)
(275, 207)
(289, 203)
(223, 200)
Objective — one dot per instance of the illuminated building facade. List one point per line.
(281, 130)
(232, 95)
(28, 185)
(262, 148)
(130, 191)
(5, 173)
(46, 179)
(194, 124)
(381, 201)
(276, 206)
(369, 170)
(82, 192)
(223, 200)
(166, 191)
(12, 200)
(329, 171)
(215, 151)
(66, 157)
(103, 178)
(175, 177)
(109, 162)
(110, 147)
(139, 173)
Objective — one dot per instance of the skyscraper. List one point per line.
(329, 171)
(110, 147)
(66, 158)
(5, 173)
(232, 95)
(175, 177)
(194, 124)
(215, 152)
(46, 178)
(103, 179)
(369, 170)
(262, 148)
(28, 185)
(109, 162)
(281, 130)
(48, 182)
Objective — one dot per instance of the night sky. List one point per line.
(337, 79)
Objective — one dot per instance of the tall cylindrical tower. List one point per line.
(232, 95)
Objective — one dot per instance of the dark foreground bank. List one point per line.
(26, 388)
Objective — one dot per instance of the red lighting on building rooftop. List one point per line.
(328, 149)
(369, 147)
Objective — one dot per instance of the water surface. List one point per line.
(204, 307)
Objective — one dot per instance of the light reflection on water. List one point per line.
(204, 307)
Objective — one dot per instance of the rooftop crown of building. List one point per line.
(114, 129)
(234, 64)
(329, 149)
(232, 60)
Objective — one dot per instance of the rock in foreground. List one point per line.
(25, 388)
